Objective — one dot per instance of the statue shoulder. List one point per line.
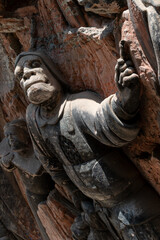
(86, 95)
(85, 100)
(84, 106)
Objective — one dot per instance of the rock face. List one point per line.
(82, 39)
(104, 7)
(142, 150)
(56, 219)
(14, 212)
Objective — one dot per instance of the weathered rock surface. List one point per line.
(56, 219)
(84, 46)
(103, 8)
(141, 149)
(14, 212)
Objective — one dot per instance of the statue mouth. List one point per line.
(39, 92)
(33, 81)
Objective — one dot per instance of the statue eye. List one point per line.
(19, 75)
(35, 64)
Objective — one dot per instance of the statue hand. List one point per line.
(6, 162)
(125, 75)
(128, 82)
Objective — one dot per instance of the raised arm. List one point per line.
(112, 121)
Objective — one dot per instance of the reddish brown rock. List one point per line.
(141, 149)
(138, 13)
(84, 48)
(72, 13)
(56, 219)
(26, 11)
(14, 211)
(88, 59)
(52, 20)
(8, 25)
(20, 183)
(103, 8)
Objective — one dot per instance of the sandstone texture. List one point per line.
(14, 212)
(143, 148)
(82, 39)
(56, 219)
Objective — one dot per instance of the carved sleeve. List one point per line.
(104, 120)
(113, 125)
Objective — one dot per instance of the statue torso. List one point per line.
(91, 166)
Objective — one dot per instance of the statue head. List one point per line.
(18, 136)
(38, 76)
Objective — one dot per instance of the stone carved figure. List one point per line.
(145, 15)
(16, 151)
(77, 136)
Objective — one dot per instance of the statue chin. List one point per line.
(40, 92)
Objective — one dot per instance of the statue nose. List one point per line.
(28, 74)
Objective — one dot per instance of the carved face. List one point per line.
(36, 80)
(18, 139)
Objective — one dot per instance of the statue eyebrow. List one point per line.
(34, 60)
(30, 61)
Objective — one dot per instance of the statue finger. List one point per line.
(129, 71)
(116, 78)
(120, 62)
(122, 45)
(130, 81)
(126, 65)
(116, 73)
(119, 86)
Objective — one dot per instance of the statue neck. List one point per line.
(52, 106)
